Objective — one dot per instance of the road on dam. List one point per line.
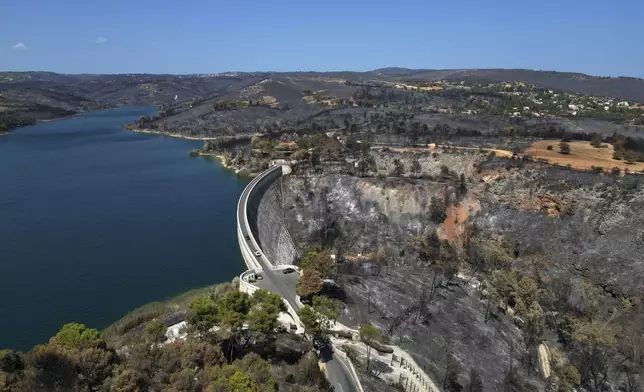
(277, 282)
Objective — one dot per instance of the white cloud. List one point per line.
(19, 46)
(100, 40)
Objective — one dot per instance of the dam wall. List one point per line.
(266, 220)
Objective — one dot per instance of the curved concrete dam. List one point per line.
(266, 220)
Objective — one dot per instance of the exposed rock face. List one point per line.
(356, 214)
(581, 225)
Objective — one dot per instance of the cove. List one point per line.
(96, 220)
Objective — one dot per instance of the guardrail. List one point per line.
(251, 260)
(352, 369)
(243, 244)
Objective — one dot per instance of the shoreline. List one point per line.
(174, 135)
(56, 119)
(6, 133)
(222, 162)
(76, 114)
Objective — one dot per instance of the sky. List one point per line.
(210, 36)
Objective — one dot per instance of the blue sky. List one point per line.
(204, 36)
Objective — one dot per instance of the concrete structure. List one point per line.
(264, 209)
(260, 228)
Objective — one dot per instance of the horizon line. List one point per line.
(381, 69)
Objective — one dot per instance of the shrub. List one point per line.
(597, 169)
(155, 331)
(549, 148)
(194, 152)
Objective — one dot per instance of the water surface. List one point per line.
(96, 220)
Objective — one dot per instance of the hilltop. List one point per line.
(187, 102)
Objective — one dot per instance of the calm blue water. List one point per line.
(96, 220)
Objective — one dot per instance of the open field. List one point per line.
(582, 155)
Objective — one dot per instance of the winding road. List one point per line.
(276, 281)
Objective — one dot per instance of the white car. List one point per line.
(258, 253)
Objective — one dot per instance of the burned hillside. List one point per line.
(486, 271)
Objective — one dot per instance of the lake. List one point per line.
(96, 220)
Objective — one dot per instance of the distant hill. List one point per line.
(190, 98)
(14, 113)
(621, 87)
(394, 71)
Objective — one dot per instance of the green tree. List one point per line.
(232, 310)
(229, 378)
(569, 377)
(369, 335)
(327, 309)
(310, 283)
(78, 336)
(309, 318)
(259, 371)
(267, 299)
(320, 261)
(202, 315)
(593, 342)
(564, 147)
(527, 290)
(155, 331)
(233, 301)
(263, 322)
(596, 141)
(534, 320)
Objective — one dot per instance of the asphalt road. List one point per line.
(277, 282)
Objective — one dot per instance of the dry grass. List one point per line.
(153, 310)
(582, 156)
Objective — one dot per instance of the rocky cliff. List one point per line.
(573, 233)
